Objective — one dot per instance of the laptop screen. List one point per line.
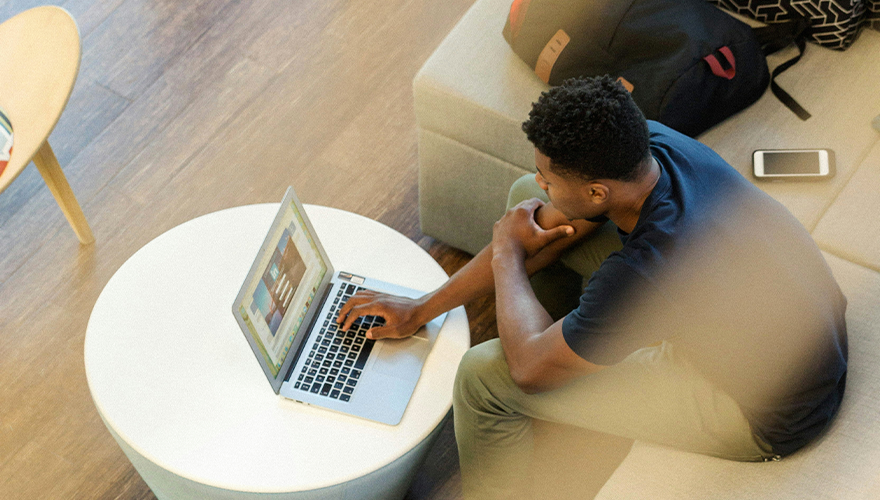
(282, 285)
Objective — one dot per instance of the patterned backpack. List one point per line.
(833, 23)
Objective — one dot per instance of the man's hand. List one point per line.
(519, 233)
(399, 313)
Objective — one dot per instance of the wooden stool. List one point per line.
(40, 60)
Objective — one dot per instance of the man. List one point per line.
(710, 322)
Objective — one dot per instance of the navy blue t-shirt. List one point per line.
(727, 274)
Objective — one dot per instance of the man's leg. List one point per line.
(653, 395)
(559, 286)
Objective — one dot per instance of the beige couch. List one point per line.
(471, 97)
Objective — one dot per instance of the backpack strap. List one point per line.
(716, 67)
(775, 37)
(781, 94)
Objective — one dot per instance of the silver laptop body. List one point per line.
(287, 308)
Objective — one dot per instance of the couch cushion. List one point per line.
(475, 90)
(851, 226)
(462, 191)
(842, 464)
(835, 87)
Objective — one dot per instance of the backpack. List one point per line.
(686, 63)
(835, 25)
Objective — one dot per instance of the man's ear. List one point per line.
(597, 192)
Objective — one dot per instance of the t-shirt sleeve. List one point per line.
(607, 325)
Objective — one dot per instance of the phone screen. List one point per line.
(791, 162)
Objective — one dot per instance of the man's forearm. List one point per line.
(476, 280)
(537, 355)
(469, 283)
(518, 312)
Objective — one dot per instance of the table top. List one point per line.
(40, 62)
(172, 374)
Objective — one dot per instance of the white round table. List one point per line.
(179, 389)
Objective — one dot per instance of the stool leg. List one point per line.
(48, 166)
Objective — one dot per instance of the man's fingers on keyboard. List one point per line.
(356, 312)
(346, 308)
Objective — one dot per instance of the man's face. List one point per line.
(574, 197)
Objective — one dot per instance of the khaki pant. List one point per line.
(653, 395)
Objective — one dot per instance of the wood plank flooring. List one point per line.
(181, 109)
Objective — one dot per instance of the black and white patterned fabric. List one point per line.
(874, 14)
(833, 23)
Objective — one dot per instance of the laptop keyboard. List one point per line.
(337, 357)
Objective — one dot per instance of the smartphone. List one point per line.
(793, 164)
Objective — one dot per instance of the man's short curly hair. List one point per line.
(590, 128)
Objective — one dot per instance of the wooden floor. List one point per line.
(183, 108)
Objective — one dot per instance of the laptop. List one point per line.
(287, 309)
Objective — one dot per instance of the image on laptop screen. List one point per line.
(277, 299)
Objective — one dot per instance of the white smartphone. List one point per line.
(793, 164)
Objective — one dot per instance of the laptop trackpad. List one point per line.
(401, 358)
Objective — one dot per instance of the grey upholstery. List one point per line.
(471, 98)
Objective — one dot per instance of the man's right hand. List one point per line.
(399, 314)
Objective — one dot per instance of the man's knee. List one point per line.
(481, 366)
(525, 188)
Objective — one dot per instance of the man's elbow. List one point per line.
(529, 382)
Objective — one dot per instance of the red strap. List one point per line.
(517, 15)
(717, 70)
